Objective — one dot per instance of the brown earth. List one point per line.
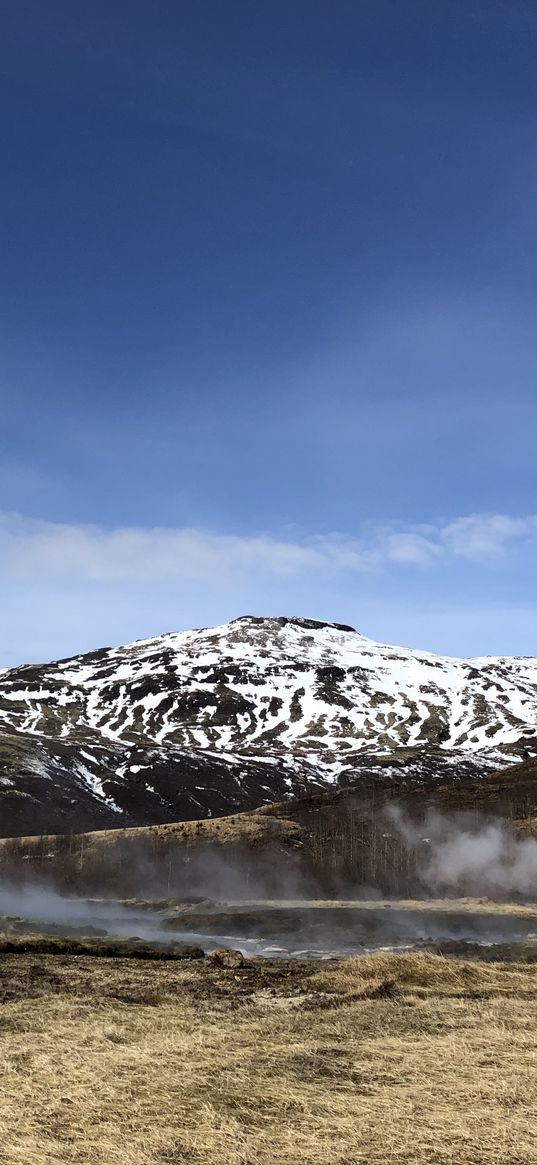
(404, 1059)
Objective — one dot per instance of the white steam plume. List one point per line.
(462, 857)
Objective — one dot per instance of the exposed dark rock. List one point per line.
(207, 723)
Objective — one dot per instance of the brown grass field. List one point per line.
(382, 1059)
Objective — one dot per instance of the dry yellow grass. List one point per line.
(240, 828)
(420, 975)
(442, 1068)
(465, 905)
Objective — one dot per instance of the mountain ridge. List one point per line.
(204, 722)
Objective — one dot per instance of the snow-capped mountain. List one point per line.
(209, 721)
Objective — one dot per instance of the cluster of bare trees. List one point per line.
(349, 846)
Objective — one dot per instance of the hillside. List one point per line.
(320, 843)
(203, 723)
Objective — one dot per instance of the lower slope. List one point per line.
(322, 841)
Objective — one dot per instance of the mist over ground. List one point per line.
(261, 900)
(460, 856)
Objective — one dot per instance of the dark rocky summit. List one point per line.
(204, 723)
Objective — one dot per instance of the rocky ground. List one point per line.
(203, 723)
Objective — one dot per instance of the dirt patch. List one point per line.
(196, 1063)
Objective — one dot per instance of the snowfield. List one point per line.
(295, 696)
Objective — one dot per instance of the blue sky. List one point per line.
(268, 319)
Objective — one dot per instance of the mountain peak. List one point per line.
(197, 723)
(294, 621)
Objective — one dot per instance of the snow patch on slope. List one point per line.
(289, 691)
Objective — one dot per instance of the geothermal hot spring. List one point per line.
(485, 860)
(306, 928)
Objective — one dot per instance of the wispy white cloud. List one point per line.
(34, 550)
(487, 536)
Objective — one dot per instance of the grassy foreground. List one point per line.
(409, 1058)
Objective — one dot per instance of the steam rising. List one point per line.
(209, 899)
(48, 908)
(458, 856)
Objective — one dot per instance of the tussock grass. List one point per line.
(431, 975)
(113, 948)
(253, 1077)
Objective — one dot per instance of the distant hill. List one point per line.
(318, 844)
(204, 723)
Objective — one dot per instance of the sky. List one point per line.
(267, 319)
